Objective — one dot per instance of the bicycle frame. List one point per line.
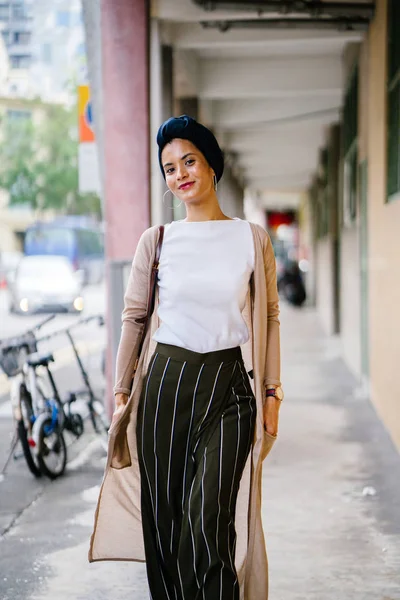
(33, 382)
(67, 331)
(82, 369)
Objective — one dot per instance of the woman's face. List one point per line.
(187, 172)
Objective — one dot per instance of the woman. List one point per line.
(182, 483)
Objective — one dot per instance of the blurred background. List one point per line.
(304, 98)
(51, 225)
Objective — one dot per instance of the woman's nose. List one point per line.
(181, 171)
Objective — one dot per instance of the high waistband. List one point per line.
(198, 358)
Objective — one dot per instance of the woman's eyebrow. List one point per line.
(183, 158)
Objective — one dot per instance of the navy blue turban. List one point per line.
(187, 128)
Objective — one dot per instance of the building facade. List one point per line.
(356, 237)
(306, 106)
(16, 18)
(46, 48)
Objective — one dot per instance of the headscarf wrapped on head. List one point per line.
(187, 128)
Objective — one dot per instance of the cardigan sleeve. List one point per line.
(273, 356)
(134, 313)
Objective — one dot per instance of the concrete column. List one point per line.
(126, 146)
(161, 108)
(231, 194)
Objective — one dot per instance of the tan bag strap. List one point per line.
(152, 289)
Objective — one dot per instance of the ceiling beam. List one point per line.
(278, 200)
(193, 35)
(274, 78)
(248, 140)
(234, 114)
(364, 9)
(338, 24)
(295, 183)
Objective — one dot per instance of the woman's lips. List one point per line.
(186, 186)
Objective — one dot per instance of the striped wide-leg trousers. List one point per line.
(195, 427)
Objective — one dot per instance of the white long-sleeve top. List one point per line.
(204, 273)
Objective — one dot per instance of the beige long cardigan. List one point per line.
(117, 533)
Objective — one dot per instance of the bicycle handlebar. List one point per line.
(24, 339)
(100, 319)
(40, 325)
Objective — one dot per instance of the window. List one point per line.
(350, 151)
(18, 11)
(22, 37)
(4, 12)
(81, 50)
(49, 240)
(47, 55)
(20, 61)
(63, 18)
(393, 121)
(18, 115)
(322, 195)
(5, 35)
(89, 242)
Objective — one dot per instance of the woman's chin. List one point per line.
(190, 197)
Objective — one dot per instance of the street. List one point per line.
(331, 490)
(21, 495)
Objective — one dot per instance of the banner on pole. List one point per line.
(89, 176)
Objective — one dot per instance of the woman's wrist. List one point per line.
(121, 399)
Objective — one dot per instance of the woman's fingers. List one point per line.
(271, 415)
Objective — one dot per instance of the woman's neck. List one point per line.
(206, 212)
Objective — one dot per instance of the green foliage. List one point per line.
(39, 162)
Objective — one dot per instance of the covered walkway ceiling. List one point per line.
(269, 79)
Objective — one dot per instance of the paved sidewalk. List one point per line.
(331, 499)
(332, 483)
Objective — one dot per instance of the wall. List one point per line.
(306, 245)
(349, 277)
(324, 283)
(384, 243)
(325, 198)
(350, 296)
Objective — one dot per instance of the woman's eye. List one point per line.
(190, 161)
(169, 171)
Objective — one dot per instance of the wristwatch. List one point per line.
(276, 392)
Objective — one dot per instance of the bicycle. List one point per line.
(38, 412)
(41, 415)
(97, 413)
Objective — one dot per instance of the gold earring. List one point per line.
(215, 182)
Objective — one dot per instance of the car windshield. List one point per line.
(44, 269)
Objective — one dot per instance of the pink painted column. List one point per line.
(124, 25)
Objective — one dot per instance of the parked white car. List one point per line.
(8, 263)
(45, 284)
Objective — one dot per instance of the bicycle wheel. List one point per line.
(24, 428)
(52, 450)
(30, 460)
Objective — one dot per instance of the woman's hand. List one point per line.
(271, 415)
(120, 402)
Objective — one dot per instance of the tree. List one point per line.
(39, 162)
(17, 158)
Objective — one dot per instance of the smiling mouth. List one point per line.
(187, 185)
